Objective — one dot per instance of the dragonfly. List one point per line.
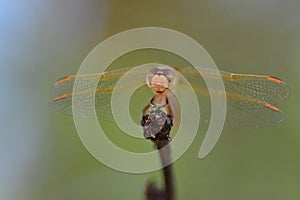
(252, 100)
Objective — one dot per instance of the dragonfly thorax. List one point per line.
(157, 123)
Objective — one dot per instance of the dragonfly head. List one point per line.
(161, 78)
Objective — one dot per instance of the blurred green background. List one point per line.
(40, 152)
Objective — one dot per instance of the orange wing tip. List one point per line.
(272, 107)
(60, 97)
(62, 80)
(274, 79)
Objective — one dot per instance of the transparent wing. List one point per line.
(252, 99)
(63, 93)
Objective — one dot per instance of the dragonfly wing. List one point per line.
(93, 92)
(256, 90)
(240, 117)
(251, 99)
